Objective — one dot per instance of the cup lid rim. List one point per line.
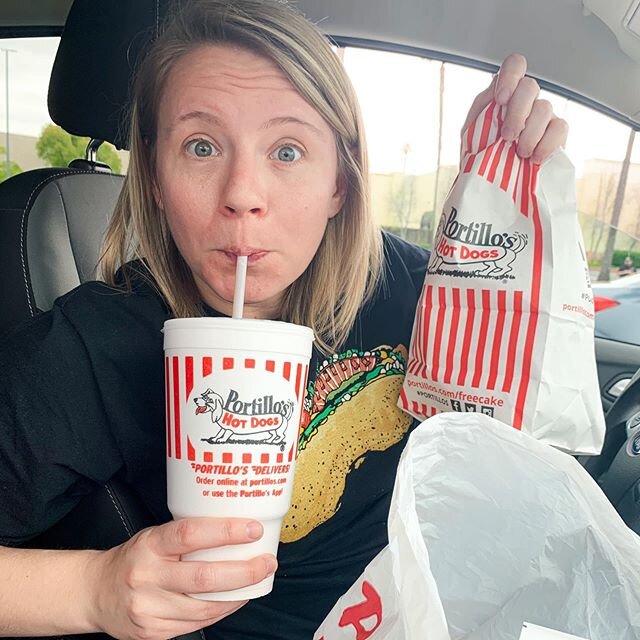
(240, 324)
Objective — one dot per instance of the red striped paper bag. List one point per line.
(504, 324)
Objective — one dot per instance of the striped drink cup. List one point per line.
(234, 393)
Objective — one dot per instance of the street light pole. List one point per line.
(7, 144)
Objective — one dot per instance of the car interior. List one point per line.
(52, 219)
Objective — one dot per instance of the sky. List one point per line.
(30, 65)
(398, 95)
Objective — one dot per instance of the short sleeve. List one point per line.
(55, 441)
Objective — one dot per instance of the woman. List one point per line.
(246, 139)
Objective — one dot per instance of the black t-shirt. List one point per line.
(82, 399)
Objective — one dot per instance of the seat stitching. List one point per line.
(22, 227)
(115, 504)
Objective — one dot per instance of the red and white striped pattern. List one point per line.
(483, 338)
(417, 408)
(489, 156)
(180, 372)
(473, 339)
(229, 457)
(480, 344)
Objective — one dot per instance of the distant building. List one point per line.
(22, 150)
(596, 192)
(405, 202)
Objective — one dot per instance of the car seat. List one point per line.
(52, 220)
(51, 225)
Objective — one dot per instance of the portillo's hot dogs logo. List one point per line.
(474, 249)
(236, 419)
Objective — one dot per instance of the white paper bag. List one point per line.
(489, 528)
(504, 325)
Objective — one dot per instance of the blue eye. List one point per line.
(201, 148)
(288, 153)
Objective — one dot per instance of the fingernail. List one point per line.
(503, 96)
(254, 530)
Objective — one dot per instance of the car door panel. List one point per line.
(616, 361)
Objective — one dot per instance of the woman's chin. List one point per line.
(259, 301)
(263, 303)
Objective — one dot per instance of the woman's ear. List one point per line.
(339, 196)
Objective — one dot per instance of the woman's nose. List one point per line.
(243, 191)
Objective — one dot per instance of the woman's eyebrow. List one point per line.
(213, 120)
(198, 115)
(274, 122)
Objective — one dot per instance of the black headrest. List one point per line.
(91, 77)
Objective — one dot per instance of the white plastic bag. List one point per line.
(390, 601)
(494, 528)
(504, 325)
(534, 632)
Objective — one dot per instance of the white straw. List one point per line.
(241, 281)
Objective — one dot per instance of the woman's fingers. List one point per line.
(554, 138)
(527, 119)
(502, 87)
(194, 616)
(192, 534)
(512, 71)
(519, 108)
(172, 608)
(535, 127)
(204, 577)
(143, 581)
(543, 133)
(206, 612)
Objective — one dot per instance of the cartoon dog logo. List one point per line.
(211, 402)
(235, 428)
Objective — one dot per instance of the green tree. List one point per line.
(15, 168)
(58, 148)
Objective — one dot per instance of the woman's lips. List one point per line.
(253, 255)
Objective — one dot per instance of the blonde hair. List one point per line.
(347, 268)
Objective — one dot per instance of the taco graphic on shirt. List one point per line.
(350, 410)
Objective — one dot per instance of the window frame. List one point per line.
(441, 56)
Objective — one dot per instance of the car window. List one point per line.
(28, 138)
(413, 109)
(25, 66)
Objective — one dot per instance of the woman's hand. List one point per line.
(139, 587)
(528, 120)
